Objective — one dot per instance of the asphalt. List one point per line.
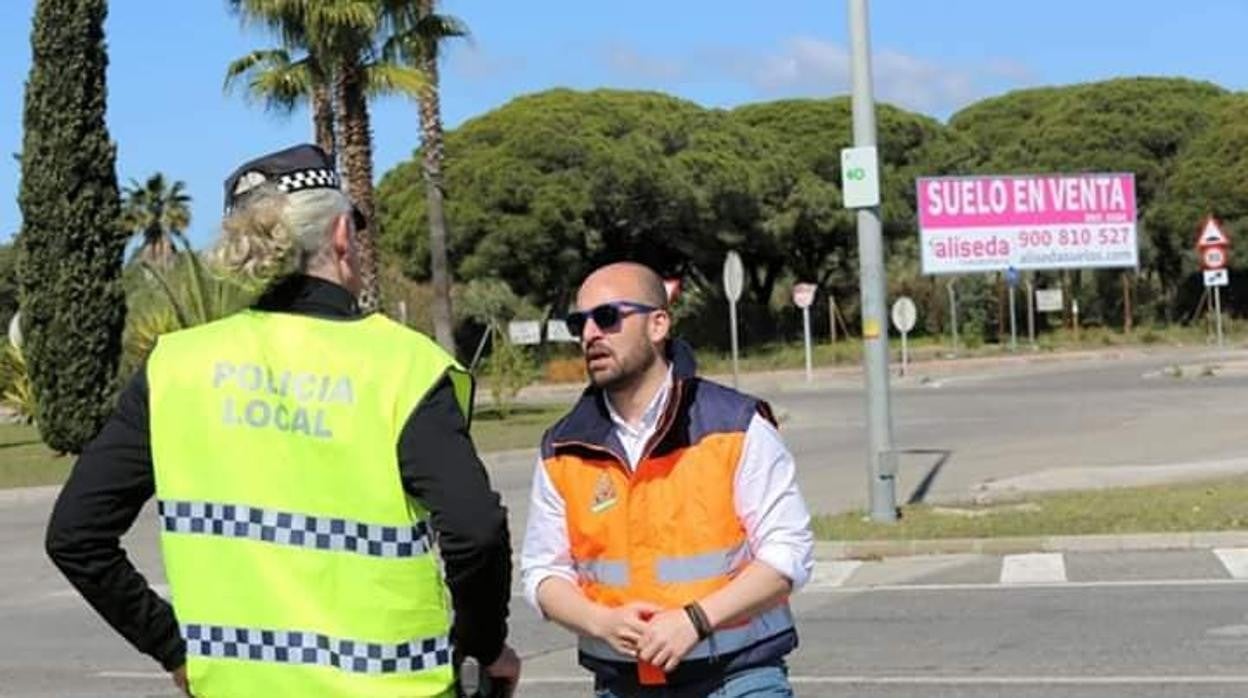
(1136, 616)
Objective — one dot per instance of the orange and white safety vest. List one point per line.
(666, 532)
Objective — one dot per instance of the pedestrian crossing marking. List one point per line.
(833, 573)
(1235, 560)
(1033, 568)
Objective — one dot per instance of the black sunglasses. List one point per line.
(606, 316)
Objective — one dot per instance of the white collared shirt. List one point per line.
(635, 438)
(765, 494)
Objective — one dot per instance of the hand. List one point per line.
(506, 669)
(667, 639)
(623, 626)
(179, 679)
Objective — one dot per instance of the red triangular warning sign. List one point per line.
(1211, 234)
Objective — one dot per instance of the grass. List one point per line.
(25, 461)
(522, 428)
(1217, 505)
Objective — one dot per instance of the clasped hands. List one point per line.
(647, 632)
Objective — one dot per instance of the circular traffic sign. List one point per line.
(904, 314)
(734, 276)
(1213, 257)
(803, 295)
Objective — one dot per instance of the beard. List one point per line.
(616, 371)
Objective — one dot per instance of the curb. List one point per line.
(876, 549)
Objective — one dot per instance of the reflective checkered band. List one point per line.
(320, 178)
(299, 530)
(295, 647)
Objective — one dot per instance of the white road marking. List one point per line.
(1048, 586)
(132, 675)
(1033, 568)
(832, 573)
(1235, 560)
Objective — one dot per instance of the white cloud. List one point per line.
(629, 63)
(808, 66)
(469, 62)
(813, 66)
(804, 64)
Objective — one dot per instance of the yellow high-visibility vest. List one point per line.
(297, 564)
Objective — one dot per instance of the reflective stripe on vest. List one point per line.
(725, 641)
(607, 572)
(693, 568)
(298, 647)
(296, 562)
(288, 528)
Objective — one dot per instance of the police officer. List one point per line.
(303, 457)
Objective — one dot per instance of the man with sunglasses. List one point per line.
(665, 528)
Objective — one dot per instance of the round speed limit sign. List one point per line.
(1213, 257)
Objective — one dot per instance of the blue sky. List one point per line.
(168, 113)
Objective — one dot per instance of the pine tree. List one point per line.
(71, 243)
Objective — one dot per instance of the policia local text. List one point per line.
(265, 412)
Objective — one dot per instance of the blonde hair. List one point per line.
(274, 234)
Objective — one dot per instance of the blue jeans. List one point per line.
(759, 682)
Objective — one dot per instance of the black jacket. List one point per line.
(438, 465)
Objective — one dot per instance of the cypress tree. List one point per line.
(71, 244)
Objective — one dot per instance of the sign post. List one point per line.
(832, 315)
(861, 187)
(953, 314)
(1011, 279)
(1031, 314)
(1214, 248)
(803, 296)
(734, 280)
(904, 314)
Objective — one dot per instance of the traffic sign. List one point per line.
(860, 177)
(557, 331)
(1011, 277)
(804, 295)
(524, 332)
(1212, 235)
(734, 276)
(1213, 257)
(734, 279)
(672, 286)
(904, 314)
(1049, 300)
(1217, 277)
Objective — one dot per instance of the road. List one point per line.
(1126, 624)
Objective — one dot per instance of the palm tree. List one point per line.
(418, 33)
(273, 76)
(285, 85)
(158, 212)
(340, 38)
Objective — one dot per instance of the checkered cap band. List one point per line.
(293, 529)
(297, 647)
(317, 178)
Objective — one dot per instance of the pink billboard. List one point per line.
(994, 222)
